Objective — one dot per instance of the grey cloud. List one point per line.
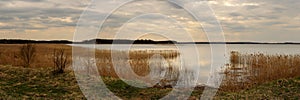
(6, 18)
(292, 27)
(39, 15)
(235, 14)
(271, 18)
(27, 13)
(251, 7)
(243, 19)
(116, 19)
(272, 23)
(22, 26)
(234, 27)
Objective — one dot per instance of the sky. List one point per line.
(241, 20)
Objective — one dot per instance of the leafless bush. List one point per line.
(60, 60)
(27, 54)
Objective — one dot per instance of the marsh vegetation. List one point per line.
(244, 72)
(248, 70)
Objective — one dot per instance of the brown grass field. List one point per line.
(9, 54)
(138, 59)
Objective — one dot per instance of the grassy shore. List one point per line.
(29, 83)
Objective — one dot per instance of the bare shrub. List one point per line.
(27, 54)
(60, 60)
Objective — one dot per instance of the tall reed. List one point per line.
(247, 70)
(139, 60)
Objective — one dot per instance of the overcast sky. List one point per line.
(241, 20)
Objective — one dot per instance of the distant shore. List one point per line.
(124, 41)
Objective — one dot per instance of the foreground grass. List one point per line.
(126, 91)
(20, 83)
(249, 70)
(28, 83)
(282, 89)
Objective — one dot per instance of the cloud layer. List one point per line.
(241, 20)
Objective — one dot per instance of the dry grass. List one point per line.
(248, 70)
(138, 59)
(9, 54)
(35, 83)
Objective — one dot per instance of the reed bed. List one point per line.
(247, 70)
(153, 63)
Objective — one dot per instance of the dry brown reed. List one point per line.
(138, 60)
(247, 70)
(112, 63)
